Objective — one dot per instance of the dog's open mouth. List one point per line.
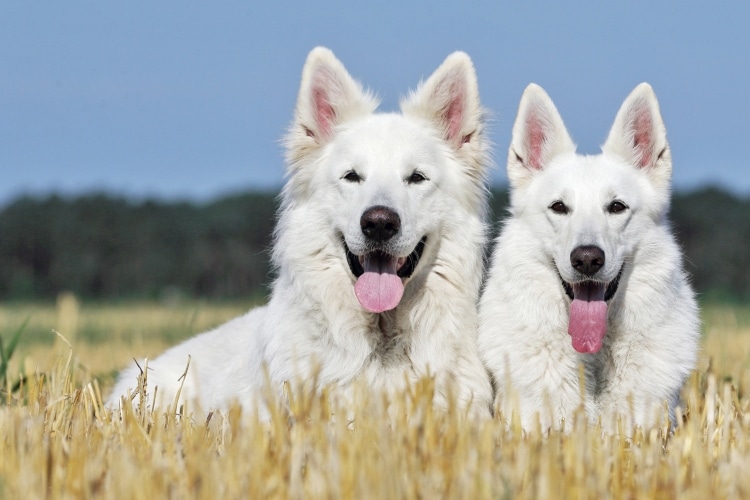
(380, 276)
(587, 324)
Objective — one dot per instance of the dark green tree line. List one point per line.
(105, 247)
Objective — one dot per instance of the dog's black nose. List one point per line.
(380, 223)
(587, 259)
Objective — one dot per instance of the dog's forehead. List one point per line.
(386, 138)
(589, 175)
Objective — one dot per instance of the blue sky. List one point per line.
(189, 99)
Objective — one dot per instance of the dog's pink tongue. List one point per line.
(587, 324)
(379, 288)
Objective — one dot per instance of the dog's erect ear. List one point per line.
(639, 136)
(328, 96)
(449, 99)
(539, 135)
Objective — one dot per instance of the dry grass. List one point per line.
(57, 441)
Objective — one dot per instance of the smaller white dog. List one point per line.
(586, 273)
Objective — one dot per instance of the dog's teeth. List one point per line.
(400, 262)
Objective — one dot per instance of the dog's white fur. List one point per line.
(313, 320)
(652, 334)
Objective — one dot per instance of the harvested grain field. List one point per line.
(57, 441)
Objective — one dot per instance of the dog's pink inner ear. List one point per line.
(454, 114)
(535, 138)
(450, 97)
(323, 112)
(643, 132)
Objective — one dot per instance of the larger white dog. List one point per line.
(378, 247)
(586, 273)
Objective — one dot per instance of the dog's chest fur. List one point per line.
(389, 342)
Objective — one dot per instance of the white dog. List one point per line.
(378, 247)
(586, 273)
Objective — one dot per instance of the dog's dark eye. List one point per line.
(416, 178)
(352, 176)
(616, 207)
(559, 207)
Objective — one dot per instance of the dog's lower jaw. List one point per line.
(588, 312)
(404, 271)
(380, 276)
